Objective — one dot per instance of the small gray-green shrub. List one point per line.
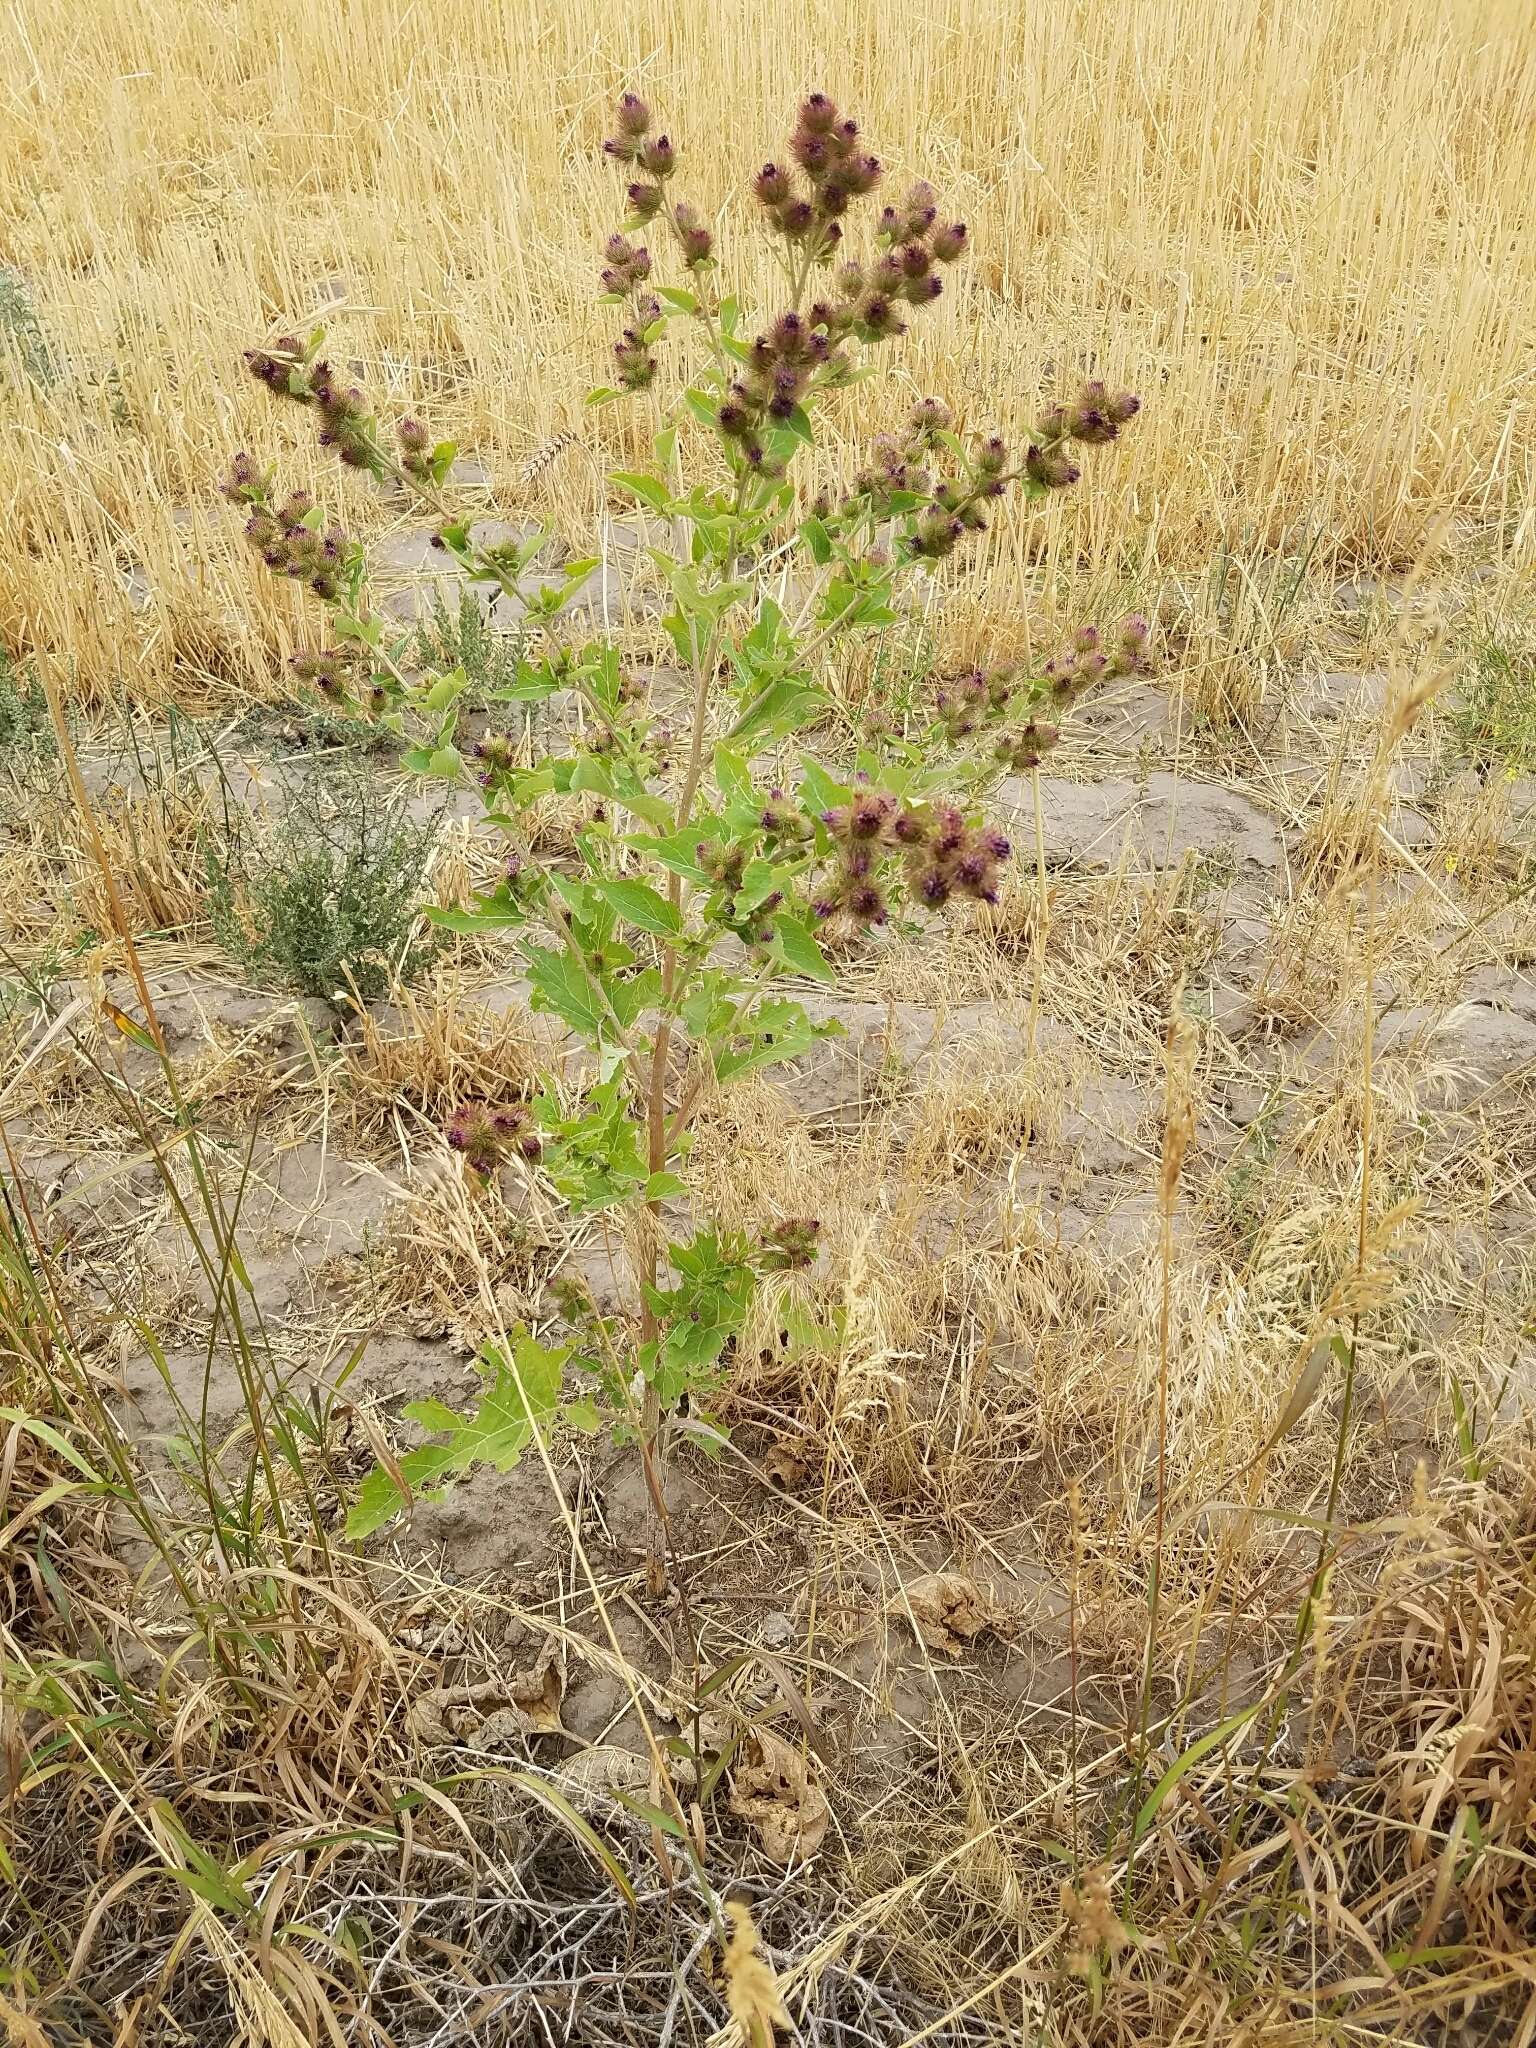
(21, 331)
(462, 639)
(25, 726)
(326, 899)
(1495, 711)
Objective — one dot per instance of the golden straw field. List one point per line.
(1305, 232)
(1086, 1595)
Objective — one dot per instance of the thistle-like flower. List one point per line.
(632, 121)
(693, 238)
(292, 546)
(275, 366)
(497, 754)
(790, 1246)
(341, 673)
(486, 1134)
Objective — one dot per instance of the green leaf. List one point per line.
(600, 394)
(468, 921)
(445, 761)
(651, 1815)
(777, 1029)
(621, 785)
(678, 851)
(732, 773)
(379, 1499)
(781, 706)
(681, 301)
(640, 905)
(632, 993)
(46, 1433)
(795, 949)
(649, 490)
(706, 410)
(799, 425)
(595, 1158)
(816, 537)
(523, 1394)
(561, 985)
(700, 1315)
(447, 690)
(533, 686)
(818, 791)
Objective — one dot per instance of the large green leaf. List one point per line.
(523, 1393)
(563, 985)
(650, 490)
(477, 920)
(679, 851)
(1183, 1764)
(776, 1030)
(640, 905)
(700, 1315)
(794, 948)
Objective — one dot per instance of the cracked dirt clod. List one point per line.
(949, 1611)
(784, 1468)
(772, 1789)
(493, 1713)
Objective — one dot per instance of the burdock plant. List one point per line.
(700, 883)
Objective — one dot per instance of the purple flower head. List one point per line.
(818, 114)
(992, 456)
(694, 238)
(869, 815)
(1053, 469)
(791, 1245)
(812, 152)
(243, 482)
(1090, 424)
(915, 216)
(867, 904)
(771, 185)
(949, 830)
